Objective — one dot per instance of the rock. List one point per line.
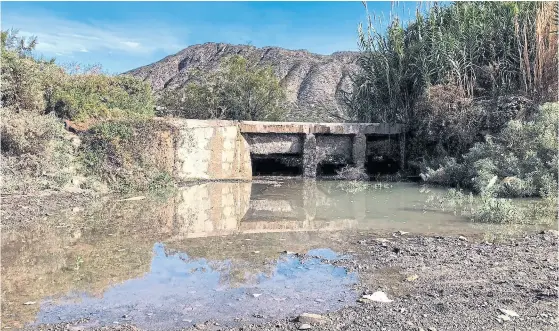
(412, 278)
(508, 312)
(307, 318)
(402, 233)
(503, 318)
(29, 303)
(463, 238)
(304, 327)
(256, 295)
(378, 296)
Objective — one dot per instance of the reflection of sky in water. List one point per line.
(179, 289)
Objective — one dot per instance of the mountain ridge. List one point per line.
(314, 83)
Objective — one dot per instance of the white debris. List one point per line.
(378, 296)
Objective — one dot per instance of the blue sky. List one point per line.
(125, 35)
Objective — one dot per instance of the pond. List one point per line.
(229, 252)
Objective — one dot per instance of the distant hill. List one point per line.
(313, 82)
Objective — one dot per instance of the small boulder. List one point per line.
(305, 327)
(307, 318)
(412, 278)
(508, 312)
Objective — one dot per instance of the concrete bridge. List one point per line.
(314, 147)
(215, 149)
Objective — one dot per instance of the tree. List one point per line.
(238, 90)
(21, 45)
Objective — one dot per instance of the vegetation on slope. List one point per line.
(37, 153)
(237, 91)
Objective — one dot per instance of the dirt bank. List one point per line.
(436, 283)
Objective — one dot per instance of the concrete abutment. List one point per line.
(233, 150)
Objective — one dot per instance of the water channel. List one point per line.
(211, 251)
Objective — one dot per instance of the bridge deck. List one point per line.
(320, 128)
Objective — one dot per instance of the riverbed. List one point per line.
(255, 255)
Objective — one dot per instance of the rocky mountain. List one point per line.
(313, 82)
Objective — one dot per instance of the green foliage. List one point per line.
(96, 96)
(487, 208)
(130, 154)
(483, 49)
(10, 41)
(36, 150)
(237, 91)
(523, 158)
(34, 85)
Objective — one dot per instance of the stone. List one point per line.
(402, 232)
(378, 296)
(503, 317)
(256, 295)
(305, 327)
(508, 312)
(463, 238)
(412, 278)
(308, 318)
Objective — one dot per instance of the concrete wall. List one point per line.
(210, 150)
(274, 143)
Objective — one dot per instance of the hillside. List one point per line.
(312, 82)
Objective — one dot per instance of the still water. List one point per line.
(211, 251)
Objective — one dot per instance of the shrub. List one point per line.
(36, 153)
(523, 157)
(486, 208)
(130, 154)
(21, 80)
(95, 96)
(352, 173)
(237, 91)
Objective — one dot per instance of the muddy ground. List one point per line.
(436, 283)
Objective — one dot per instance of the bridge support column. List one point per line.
(359, 151)
(310, 159)
(402, 142)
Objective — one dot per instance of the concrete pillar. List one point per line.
(402, 140)
(310, 159)
(359, 150)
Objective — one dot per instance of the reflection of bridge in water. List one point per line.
(221, 208)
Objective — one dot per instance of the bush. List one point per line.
(21, 80)
(352, 173)
(487, 208)
(237, 91)
(130, 154)
(523, 157)
(36, 152)
(93, 96)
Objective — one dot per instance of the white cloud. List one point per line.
(59, 36)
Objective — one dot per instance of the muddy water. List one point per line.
(212, 251)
